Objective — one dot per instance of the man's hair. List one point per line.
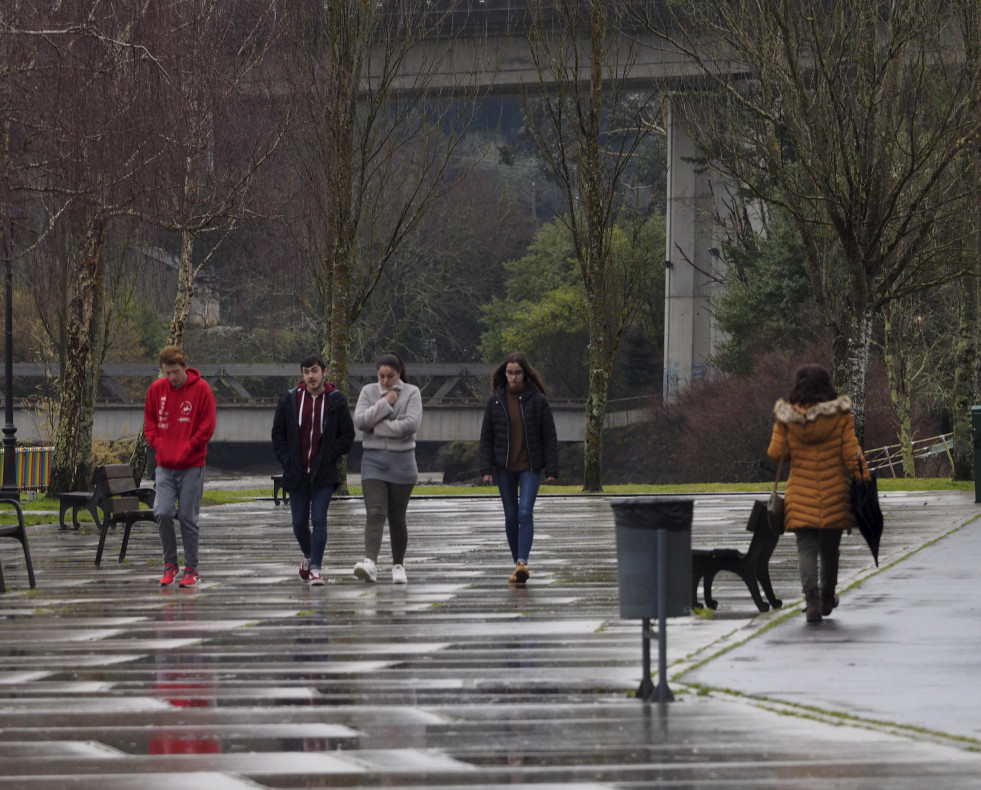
(311, 360)
(172, 355)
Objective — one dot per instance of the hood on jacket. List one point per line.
(808, 422)
(328, 387)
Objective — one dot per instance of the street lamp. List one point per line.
(8, 486)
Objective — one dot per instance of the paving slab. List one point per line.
(458, 680)
(902, 647)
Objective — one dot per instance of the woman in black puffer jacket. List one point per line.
(517, 443)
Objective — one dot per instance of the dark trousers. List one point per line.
(817, 557)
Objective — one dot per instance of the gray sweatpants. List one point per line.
(386, 501)
(179, 493)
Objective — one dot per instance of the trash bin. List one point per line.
(654, 574)
(638, 521)
(976, 432)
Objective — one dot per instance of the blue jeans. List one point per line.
(307, 506)
(518, 493)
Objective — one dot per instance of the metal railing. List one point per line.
(891, 456)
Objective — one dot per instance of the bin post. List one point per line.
(654, 573)
(976, 433)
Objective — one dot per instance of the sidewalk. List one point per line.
(455, 680)
(902, 649)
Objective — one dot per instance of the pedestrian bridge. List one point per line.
(253, 422)
(454, 396)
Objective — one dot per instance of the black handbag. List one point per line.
(774, 506)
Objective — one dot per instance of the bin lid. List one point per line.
(654, 512)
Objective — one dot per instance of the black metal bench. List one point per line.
(277, 486)
(752, 566)
(17, 532)
(76, 501)
(119, 498)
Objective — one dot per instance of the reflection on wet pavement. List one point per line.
(454, 680)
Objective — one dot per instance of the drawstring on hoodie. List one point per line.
(313, 422)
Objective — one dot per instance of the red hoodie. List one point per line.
(179, 422)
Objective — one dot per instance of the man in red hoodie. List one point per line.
(179, 420)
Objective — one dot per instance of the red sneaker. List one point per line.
(190, 578)
(305, 569)
(170, 571)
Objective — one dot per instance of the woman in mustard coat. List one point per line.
(815, 432)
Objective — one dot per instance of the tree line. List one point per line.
(349, 175)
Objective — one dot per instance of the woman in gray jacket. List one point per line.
(388, 415)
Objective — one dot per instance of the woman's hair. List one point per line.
(812, 384)
(499, 376)
(391, 359)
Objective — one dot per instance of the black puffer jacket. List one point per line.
(540, 437)
(337, 432)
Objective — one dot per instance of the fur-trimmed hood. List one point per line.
(789, 414)
(816, 423)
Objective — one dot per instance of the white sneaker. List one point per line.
(366, 570)
(398, 575)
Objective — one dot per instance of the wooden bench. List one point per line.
(277, 485)
(119, 499)
(17, 532)
(92, 500)
(752, 566)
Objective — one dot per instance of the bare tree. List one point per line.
(89, 138)
(385, 93)
(855, 118)
(220, 134)
(587, 123)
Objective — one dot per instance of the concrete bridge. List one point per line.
(692, 261)
(454, 395)
(252, 422)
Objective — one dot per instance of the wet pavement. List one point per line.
(455, 680)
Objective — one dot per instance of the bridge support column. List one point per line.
(691, 263)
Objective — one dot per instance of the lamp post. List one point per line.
(8, 486)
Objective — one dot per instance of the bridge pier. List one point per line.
(692, 263)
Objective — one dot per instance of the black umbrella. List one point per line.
(865, 508)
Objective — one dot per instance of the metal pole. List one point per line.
(9, 488)
(662, 693)
(646, 685)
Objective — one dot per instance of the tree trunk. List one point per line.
(596, 399)
(339, 352)
(182, 306)
(68, 466)
(899, 389)
(596, 265)
(966, 358)
(856, 366)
